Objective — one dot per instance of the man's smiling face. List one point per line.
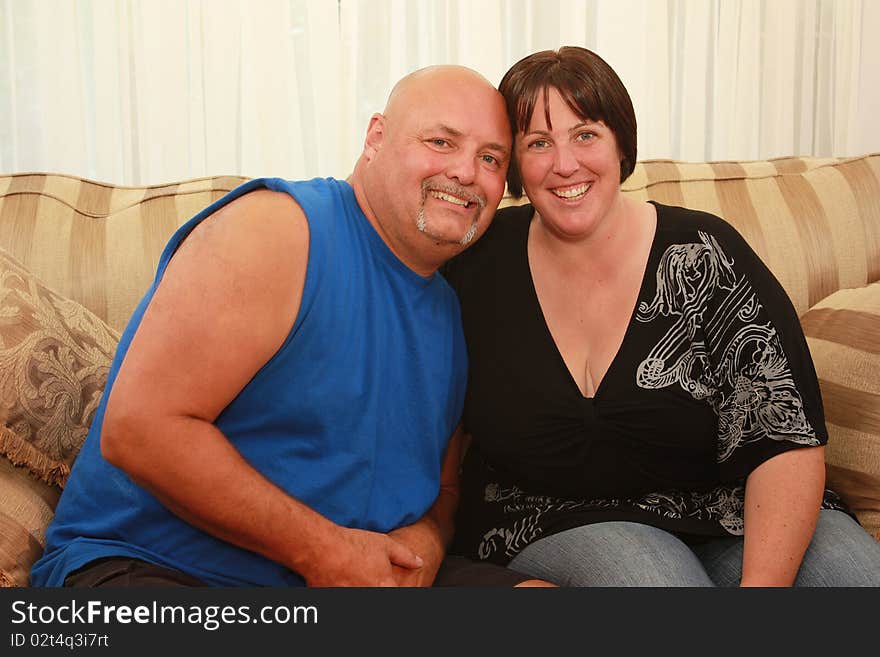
(437, 172)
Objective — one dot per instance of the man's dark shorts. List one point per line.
(127, 572)
(460, 571)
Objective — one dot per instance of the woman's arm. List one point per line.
(783, 498)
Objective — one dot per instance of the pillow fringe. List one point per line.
(6, 582)
(21, 453)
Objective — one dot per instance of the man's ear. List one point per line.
(375, 135)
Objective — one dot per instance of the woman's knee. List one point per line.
(841, 553)
(612, 554)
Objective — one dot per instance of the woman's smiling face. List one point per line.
(570, 169)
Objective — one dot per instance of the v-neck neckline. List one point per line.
(629, 327)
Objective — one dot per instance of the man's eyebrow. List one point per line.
(453, 132)
(448, 130)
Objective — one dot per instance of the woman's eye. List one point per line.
(586, 136)
(538, 143)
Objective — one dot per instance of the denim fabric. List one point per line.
(841, 553)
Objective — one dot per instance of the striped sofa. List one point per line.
(76, 256)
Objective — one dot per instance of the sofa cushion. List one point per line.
(54, 359)
(843, 332)
(26, 507)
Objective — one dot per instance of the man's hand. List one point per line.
(423, 538)
(362, 558)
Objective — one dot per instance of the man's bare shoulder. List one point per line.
(272, 218)
(255, 247)
(266, 201)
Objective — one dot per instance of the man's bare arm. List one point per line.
(226, 303)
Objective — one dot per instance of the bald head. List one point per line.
(430, 81)
(435, 85)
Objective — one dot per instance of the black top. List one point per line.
(713, 377)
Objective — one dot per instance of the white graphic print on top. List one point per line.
(742, 372)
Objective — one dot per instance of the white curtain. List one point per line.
(150, 91)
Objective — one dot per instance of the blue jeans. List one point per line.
(841, 553)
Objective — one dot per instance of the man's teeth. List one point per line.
(443, 196)
(572, 192)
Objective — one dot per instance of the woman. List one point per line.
(642, 403)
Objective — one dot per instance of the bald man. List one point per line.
(279, 409)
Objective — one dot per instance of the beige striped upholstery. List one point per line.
(94, 243)
(844, 336)
(26, 508)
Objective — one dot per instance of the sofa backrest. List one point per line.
(95, 243)
(815, 222)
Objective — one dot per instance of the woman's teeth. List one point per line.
(573, 192)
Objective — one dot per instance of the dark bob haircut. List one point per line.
(589, 86)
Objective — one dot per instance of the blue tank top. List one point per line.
(351, 415)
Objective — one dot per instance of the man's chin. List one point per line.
(458, 235)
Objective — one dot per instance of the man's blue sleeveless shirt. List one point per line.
(351, 416)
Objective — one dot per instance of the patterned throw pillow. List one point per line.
(843, 332)
(54, 359)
